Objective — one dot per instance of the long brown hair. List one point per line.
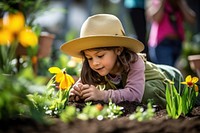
(89, 76)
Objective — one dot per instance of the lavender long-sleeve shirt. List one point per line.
(134, 87)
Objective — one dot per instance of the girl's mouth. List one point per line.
(98, 69)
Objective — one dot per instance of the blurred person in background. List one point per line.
(136, 10)
(167, 29)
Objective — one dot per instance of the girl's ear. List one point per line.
(119, 50)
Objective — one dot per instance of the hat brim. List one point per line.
(74, 47)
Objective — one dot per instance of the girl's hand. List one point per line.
(75, 93)
(77, 89)
(90, 92)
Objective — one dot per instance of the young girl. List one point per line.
(112, 66)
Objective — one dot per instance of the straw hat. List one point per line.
(101, 30)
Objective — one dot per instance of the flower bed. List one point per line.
(159, 123)
(52, 112)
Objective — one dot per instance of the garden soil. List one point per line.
(159, 124)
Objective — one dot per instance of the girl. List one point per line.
(112, 66)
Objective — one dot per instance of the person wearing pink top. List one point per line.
(167, 29)
(113, 68)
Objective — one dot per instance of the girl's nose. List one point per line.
(95, 62)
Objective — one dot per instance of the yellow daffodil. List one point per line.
(190, 81)
(65, 80)
(14, 21)
(27, 37)
(6, 37)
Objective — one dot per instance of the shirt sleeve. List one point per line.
(134, 88)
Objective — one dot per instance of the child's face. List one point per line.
(102, 61)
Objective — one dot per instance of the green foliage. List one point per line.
(109, 111)
(28, 74)
(89, 112)
(7, 54)
(57, 102)
(68, 114)
(143, 115)
(43, 65)
(51, 101)
(174, 101)
(189, 98)
(38, 101)
(181, 102)
(13, 100)
(96, 111)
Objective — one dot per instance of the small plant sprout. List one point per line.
(112, 110)
(90, 111)
(143, 115)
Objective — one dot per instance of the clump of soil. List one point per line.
(159, 123)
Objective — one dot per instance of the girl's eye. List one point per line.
(100, 56)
